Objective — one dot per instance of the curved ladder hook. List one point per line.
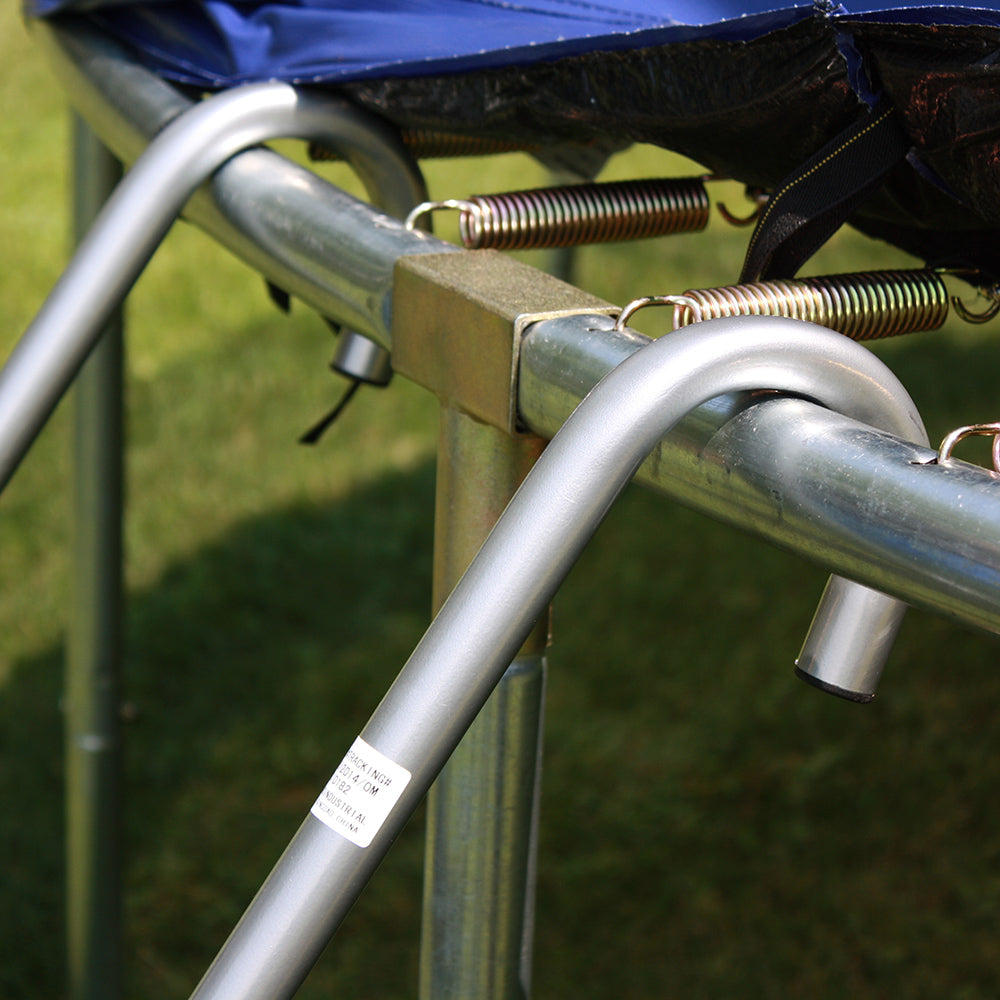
(141, 210)
(515, 575)
(599, 448)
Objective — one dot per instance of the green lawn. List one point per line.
(768, 841)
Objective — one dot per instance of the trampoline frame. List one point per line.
(539, 347)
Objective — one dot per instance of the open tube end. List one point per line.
(849, 640)
(858, 697)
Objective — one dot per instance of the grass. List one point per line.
(711, 827)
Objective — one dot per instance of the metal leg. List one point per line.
(482, 810)
(93, 750)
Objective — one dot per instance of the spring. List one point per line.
(584, 213)
(424, 144)
(863, 306)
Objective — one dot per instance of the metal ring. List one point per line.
(656, 300)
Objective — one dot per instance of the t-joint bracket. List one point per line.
(457, 323)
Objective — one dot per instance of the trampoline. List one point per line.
(885, 117)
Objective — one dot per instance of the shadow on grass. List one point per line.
(711, 827)
(251, 667)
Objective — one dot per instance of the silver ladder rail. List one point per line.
(507, 588)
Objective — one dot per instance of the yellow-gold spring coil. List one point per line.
(863, 306)
(578, 213)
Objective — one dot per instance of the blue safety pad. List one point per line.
(221, 42)
(218, 43)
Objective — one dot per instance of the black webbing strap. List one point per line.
(810, 205)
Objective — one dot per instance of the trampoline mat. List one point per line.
(748, 90)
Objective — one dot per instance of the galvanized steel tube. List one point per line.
(861, 502)
(311, 239)
(482, 812)
(915, 540)
(93, 752)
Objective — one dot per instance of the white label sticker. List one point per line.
(361, 793)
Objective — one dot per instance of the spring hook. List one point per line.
(992, 309)
(981, 430)
(862, 306)
(579, 213)
(427, 207)
(656, 300)
(759, 198)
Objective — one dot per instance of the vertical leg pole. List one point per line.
(94, 648)
(482, 813)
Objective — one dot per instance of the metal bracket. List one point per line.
(457, 322)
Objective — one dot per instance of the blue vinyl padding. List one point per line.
(218, 43)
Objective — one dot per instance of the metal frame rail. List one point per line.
(338, 256)
(523, 350)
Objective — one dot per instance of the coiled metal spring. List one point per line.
(863, 306)
(424, 144)
(578, 214)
